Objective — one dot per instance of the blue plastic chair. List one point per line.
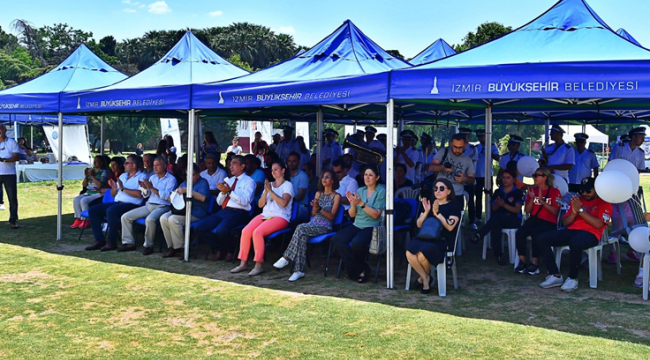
(336, 224)
(108, 198)
(294, 214)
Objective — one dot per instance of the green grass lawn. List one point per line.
(59, 301)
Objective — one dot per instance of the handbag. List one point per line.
(378, 242)
(430, 230)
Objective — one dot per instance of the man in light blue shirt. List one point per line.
(300, 182)
(253, 170)
(158, 188)
(287, 145)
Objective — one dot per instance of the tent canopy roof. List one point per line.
(35, 120)
(626, 35)
(438, 50)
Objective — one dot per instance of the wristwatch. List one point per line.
(363, 206)
(581, 210)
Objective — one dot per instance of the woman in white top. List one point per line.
(234, 148)
(275, 201)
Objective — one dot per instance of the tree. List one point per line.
(108, 45)
(396, 54)
(484, 33)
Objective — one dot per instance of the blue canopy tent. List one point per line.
(163, 88)
(438, 50)
(81, 70)
(626, 35)
(39, 120)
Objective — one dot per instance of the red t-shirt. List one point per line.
(597, 208)
(551, 199)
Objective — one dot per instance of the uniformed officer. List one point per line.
(375, 145)
(560, 156)
(513, 154)
(427, 152)
(470, 151)
(358, 137)
(407, 154)
(331, 148)
(288, 144)
(480, 171)
(586, 161)
(382, 139)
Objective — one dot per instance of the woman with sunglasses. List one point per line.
(422, 254)
(366, 207)
(506, 202)
(542, 208)
(324, 208)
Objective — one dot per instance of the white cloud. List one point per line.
(159, 7)
(126, 1)
(130, 11)
(141, 6)
(216, 13)
(287, 30)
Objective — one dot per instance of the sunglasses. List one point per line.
(583, 191)
(439, 188)
(326, 177)
(535, 176)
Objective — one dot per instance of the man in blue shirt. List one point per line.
(158, 188)
(300, 182)
(252, 170)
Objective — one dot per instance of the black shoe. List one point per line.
(475, 239)
(96, 246)
(502, 261)
(521, 267)
(532, 269)
(127, 247)
(148, 250)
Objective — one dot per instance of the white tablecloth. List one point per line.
(42, 172)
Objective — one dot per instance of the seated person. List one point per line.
(422, 254)
(366, 207)
(275, 203)
(400, 178)
(346, 182)
(310, 170)
(585, 221)
(116, 168)
(147, 162)
(94, 182)
(300, 182)
(324, 208)
(159, 187)
(235, 198)
(253, 170)
(542, 209)
(506, 202)
(213, 173)
(127, 197)
(172, 224)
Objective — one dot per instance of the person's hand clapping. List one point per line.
(267, 186)
(426, 204)
(223, 187)
(576, 204)
(436, 206)
(112, 183)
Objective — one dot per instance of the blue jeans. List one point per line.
(223, 221)
(113, 212)
(10, 184)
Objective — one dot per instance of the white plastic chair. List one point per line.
(595, 255)
(441, 269)
(512, 244)
(408, 193)
(646, 274)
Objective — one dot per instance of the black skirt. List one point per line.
(434, 250)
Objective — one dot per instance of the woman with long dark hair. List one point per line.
(366, 207)
(324, 208)
(210, 145)
(421, 254)
(305, 155)
(161, 150)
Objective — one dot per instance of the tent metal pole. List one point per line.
(190, 171)
(32, 136)
(102, 136)
(319, 141)
(390, 109)
(400, 128)
(16, 130)
(59, 186)
(488, 162)
(547, 128)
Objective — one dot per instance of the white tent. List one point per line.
(595, 136)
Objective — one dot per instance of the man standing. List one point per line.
(346, 183)
(560, 157)
(513, 154)
(213, 174)
(9, 155)
(427, 152)
(585, 221)
(586, 161)
(235, 198)
(127, 194)
(288, 144)
(375, 145)
(472, 153)
(331, 148)
(300, 182)
(159, 187)
(480, 170)
(276, 141)
(407, 154)
(452, 164)
(147, 160)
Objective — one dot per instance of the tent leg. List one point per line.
(102, 137)
(319, 141)
(547, 127)
(190, 170)
(488, 161)
(59, 186)
(390, 109)
(32, 136)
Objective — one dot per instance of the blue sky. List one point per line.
(406, 26)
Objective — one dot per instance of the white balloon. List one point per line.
(560, 184)
(526, 165)
(626, 168)
(639, 239)
(614, 187)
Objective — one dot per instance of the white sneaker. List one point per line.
(281, 263)
(2, 207)
(570, 284)
(296, 275)
(551, 281)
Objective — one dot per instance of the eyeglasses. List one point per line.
(326, 177)
(128, 163)
(439, 188)
(535, 176)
